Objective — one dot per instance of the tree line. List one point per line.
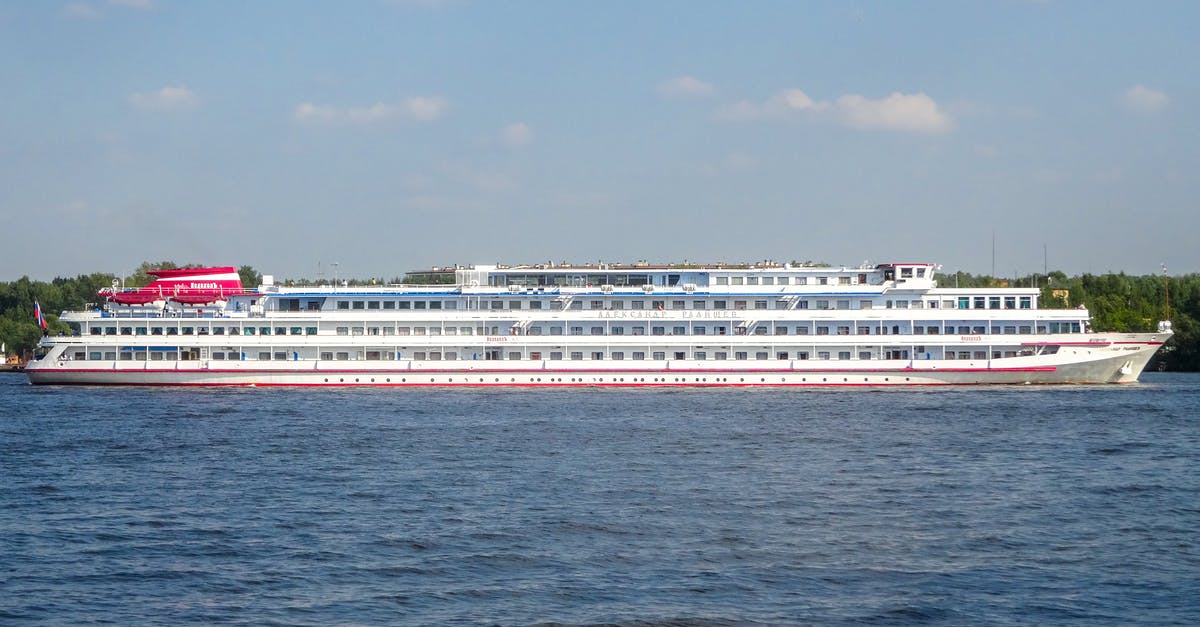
(1117, 302)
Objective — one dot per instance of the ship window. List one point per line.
(722, 280)
(638, 304)
(1025, 329)
(979, 302)
(737, 280)
(801, 330)
(419, 355)
(803, 304)
(556, 355)
(343, 304)
(126, 330)
(1010, 302)
(801, 280)
(843, 330)
(678, 304)
(533, 304)
(514, 304)
(658, 330)
(597, 330)
(418, 330)
(658, 355)
(741, 355)
(94, 356)
(768, 280)
(597, 304)
(699, 330)
(576, 304)
(218, 331)
(153, 331)
(358, 304)
(371, 330)
(637, 330)
(751, 280)
(901, 304)
(372, 304)
(822, 354)
(140, 356)
(993, 302)
(843, 354)
(403, 304)
(760, 304)
(280, 331)
(99, 331)
(964, 330)
(932, 330)
(781, 330)
(261, 331)
(617, 330)
(739, 305)
(343, 330)
(1026, 302)
(720, 304)
(781, 355)
(760, 330)
(618, 355)
(698, 304)
(597, 355)
(297, 330)
(843, 304)
(906, 273)
(389, 304)
(843, 280)
(822, 304)
(1010, 330)
(822, 280)
(280, 356)
(866, 330)
(140, 331)
(264, 355)
(576, 355)
(978, 330)
(964, 302)
(420, 304)
(822, 330)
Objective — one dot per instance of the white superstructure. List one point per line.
(597, 324)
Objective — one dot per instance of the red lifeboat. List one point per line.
(190, 286)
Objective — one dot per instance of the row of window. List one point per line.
(860, 279)
(615, 329)
(381, 355)
(964, 302)
(216, 330)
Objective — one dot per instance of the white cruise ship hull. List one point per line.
(1103, 358)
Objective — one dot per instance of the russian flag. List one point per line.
(37, 314)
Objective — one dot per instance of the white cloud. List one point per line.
(794, 100)
(516, 134)
(1146, 100)
(685, 86)
(421, 109)
(165, 99)
(915, 113)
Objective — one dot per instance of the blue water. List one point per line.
(954, 506)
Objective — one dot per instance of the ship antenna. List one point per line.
(1166, 292)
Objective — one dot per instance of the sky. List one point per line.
(386, 136)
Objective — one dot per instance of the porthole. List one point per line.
(341, 380)
(327, 379)
(403, 380)
(356, 379)
(372, 379)
(389, 379)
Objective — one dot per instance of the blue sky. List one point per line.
(387, 136)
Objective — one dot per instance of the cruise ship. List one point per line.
(640, 324)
